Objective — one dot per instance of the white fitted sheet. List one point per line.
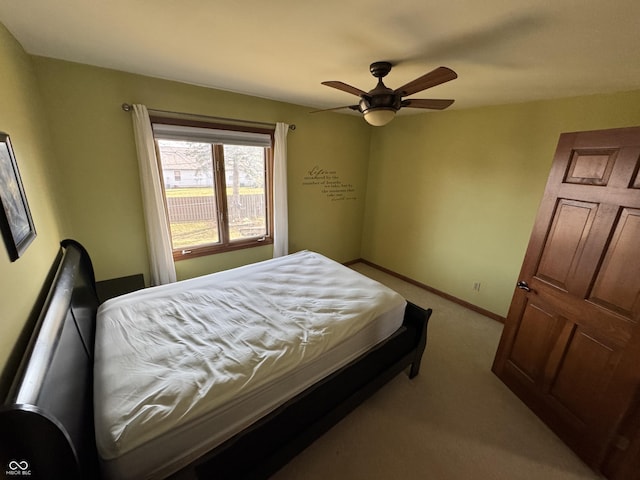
(180, 368)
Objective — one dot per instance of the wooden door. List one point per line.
(570, 348)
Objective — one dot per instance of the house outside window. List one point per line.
(217, 185)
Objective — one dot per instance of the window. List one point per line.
(217, 185)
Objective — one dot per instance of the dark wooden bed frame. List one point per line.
(46, 422)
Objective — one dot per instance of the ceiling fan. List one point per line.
(379, 106)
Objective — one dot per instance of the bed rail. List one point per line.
(46, 420)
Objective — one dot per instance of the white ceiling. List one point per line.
(504, 51)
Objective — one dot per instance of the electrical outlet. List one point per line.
(476, 286)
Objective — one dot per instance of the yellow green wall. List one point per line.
(97, 174)
(21, 282)
(445, 198)
(452, 195)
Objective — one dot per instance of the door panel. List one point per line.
(617, 285)
(636, 181)
(591, 167)
(569, 346)
(583, 375)
(533, 341)
(570, 230)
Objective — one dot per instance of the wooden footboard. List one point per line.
(46, 422)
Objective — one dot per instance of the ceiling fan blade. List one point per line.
(352, 107)
(428, 80)
(433, 104)
(344, 87)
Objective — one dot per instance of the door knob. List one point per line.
(523, 286)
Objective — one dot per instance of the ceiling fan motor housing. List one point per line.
(380, 97)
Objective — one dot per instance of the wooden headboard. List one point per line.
(46, 421)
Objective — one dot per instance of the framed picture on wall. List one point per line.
(16, 223)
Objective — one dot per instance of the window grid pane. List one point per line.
(245, 180)
(191, 200)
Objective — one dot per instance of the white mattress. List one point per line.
(180, 368)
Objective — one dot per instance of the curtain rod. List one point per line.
(127, 108)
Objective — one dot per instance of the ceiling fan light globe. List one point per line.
(379, 117)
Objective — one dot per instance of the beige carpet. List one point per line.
(456, 420)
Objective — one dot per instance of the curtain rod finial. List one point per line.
(126, 107)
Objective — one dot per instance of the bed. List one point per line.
(238, 428)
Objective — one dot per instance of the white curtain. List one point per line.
(161, 264)
(280, 208)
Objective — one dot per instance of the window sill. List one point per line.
(215, 249)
